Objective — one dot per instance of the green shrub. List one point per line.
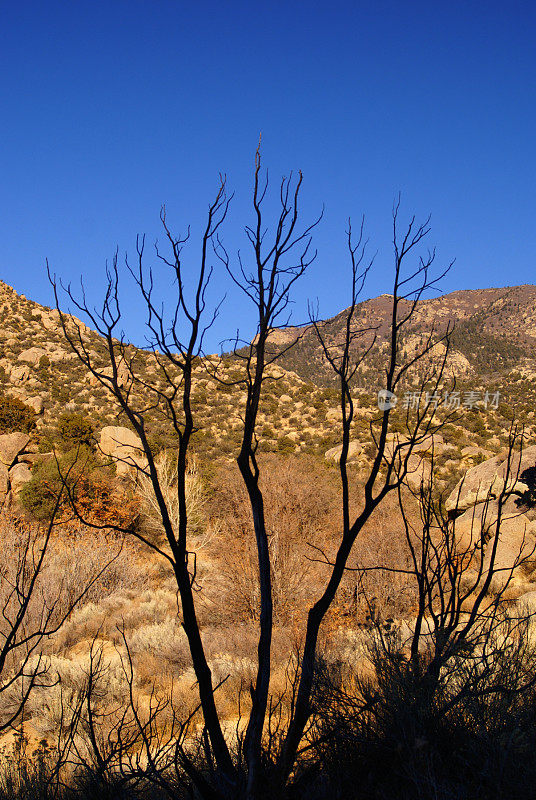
(74, 469)
(75, 430)
(285, 445)
(15, 415)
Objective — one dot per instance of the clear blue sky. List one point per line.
(109, 109)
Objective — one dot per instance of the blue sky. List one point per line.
(110, 109)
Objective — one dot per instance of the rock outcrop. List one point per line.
(488, 479)
(32, 356)
(13, 473)
(474, 508)
(334, 454)
(11, 444)
(123, 447)
(18, 476)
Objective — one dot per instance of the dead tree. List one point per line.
(389, 467)
(175, 354)
(280, 254)
(277, 263)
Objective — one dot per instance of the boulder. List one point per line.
(475, 534)
(36, 404)
(50, 319)
(473, 450)
(431, 442)
(18, 476)
(516, 542)
(334, 454)
(32, 356)
(469, 527)
(419, 471)
(11, 444)
(487, 480)
(59, 355)
(124, 376)
(122, 446)
(20, 374)
(474, 527)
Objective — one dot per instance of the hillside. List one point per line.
(494, 330)
(493, 350)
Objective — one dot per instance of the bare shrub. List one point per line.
(166, 465)
(78, 557)
(300, 498)
(164, 640)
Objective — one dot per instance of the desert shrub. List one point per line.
(74, 430)
(396, 735)
(98, 497)
(300, 496)
(43, 369)
(201, 529)
(285, 445)
(15, 415)
(166, 640)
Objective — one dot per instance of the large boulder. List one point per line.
(11, 444)
(334, 454)
(32, 356)
(515, 546)
(488, 480)
(123, 447)
(472, 528)
(474, 507)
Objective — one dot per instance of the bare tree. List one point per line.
(176, 356)
(280, 254)
(390, 466)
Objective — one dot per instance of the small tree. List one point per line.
(15, 415)
(75, 430)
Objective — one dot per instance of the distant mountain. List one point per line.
(494, 331)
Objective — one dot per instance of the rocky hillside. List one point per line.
(494, 350)
(494, 331)
(38, 367)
